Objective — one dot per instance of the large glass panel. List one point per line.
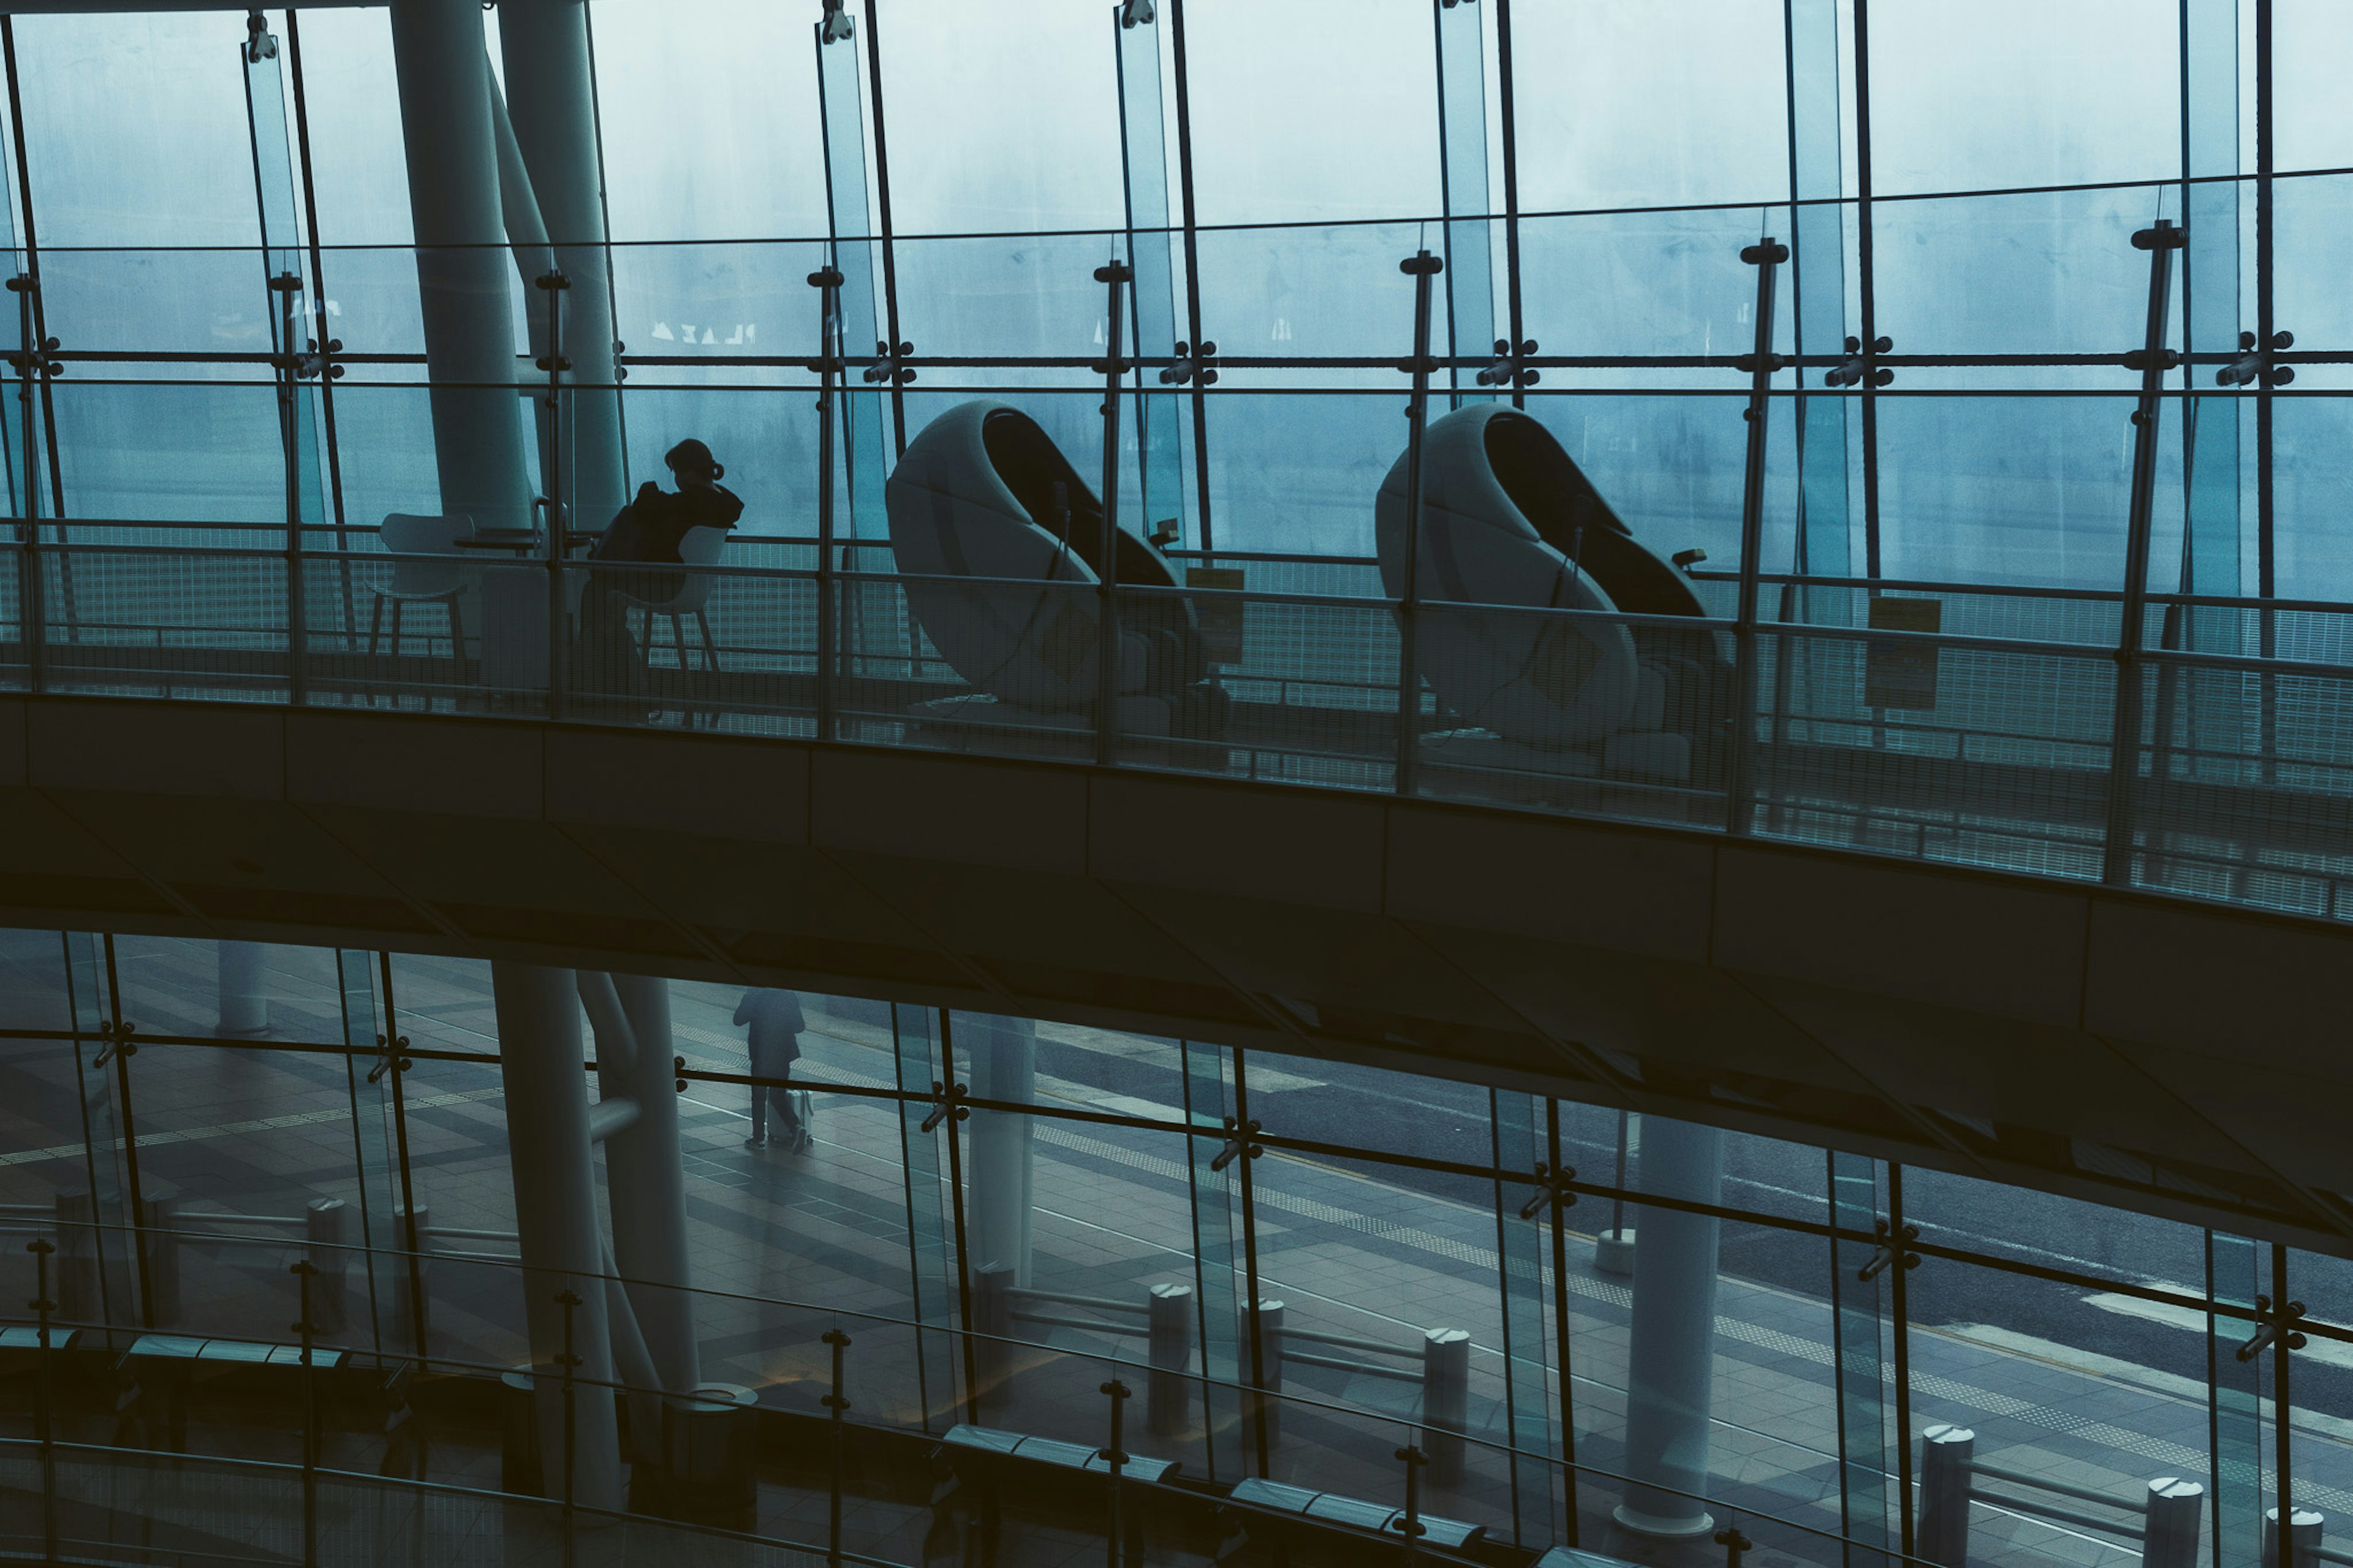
(2313, 559)
(2048, 1423)
(2024, 491)
(707, 121)
(167, 86)
(2046, 273)
(352, 104)
(1356, 137)
(1629, 104)
(2012, 93)
(2320, 1395)
(254, 1159)
(2308, 129)
(1001, 125)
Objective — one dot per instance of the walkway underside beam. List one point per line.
(2129, 1049)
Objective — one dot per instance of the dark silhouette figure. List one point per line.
(648, 529)
(776, 1024)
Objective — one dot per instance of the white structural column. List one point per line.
(647, 1188)
(1672, 1362)
(1004, 1055)
(461, 261)
(244, 1005)
(544, 47)
(546, 1086)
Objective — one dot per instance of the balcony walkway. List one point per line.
(2013, 933)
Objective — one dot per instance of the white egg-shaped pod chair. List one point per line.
(1541, 680)
(975, 497)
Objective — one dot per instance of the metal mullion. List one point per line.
(1899, 1310)
(2265, 300)
(33, 269)
(2266, 324)
(80, 1036)
(1192, 281)
(2282, 1427)
(1867, 306)
(319, 289)
(890, 255)
(1560, 1299)
(914, 1240)
(1243, 1132)
(1507, 107)
(134, 1204)
(418, 1331)
(947, 1085)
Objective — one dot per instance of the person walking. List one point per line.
(775, 1021)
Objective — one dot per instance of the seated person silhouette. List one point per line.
(648, 529)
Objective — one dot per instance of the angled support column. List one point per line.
(556, 1220)
(544, 47)
(646, 1186)
(453, 200)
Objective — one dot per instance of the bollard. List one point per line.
(992, 1324)
(1270, 1340)
(1614, 1252)
(1168, 1406)
(161, 1242)
(323, 1236)
(1946, 1454)
(710, 1446)
(1445, 1401)
(77, 1280)
(2303, 1532)
(2170, 1538)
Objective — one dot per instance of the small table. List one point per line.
(515, 606)
(521, 541)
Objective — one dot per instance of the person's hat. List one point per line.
(691, 456)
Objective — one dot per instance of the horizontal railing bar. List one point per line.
(1100, 1303)
(1911, 585)
(1347, 1341)
(2066, 1488)
(212, 1216)
(1342, 1363)
(2052, 1511)
(1054, 1321)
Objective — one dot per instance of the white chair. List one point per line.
(984, 493)
(443, 580)
(697, 548)
(1511, 526)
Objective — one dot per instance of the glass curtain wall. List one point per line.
(1998, 408)
(2052, 387)
(1297, 1267)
